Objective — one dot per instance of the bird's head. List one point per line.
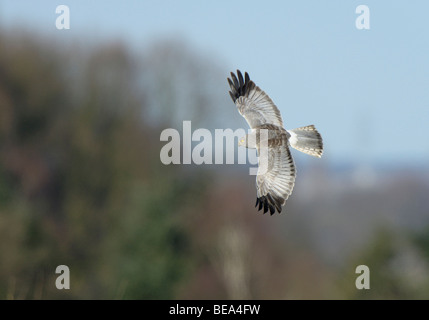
(242, 141)
(248, 141)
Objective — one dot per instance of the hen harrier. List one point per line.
(274, 184)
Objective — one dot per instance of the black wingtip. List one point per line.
(246, 77)
(239, 86)
(240, 79)
(232, 96)
(269, 203)
(261, 204)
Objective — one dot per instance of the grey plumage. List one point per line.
(275, 183)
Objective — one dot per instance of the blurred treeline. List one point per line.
(81, 184)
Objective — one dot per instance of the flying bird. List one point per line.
(276, 173)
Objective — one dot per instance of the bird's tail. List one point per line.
(307, 139)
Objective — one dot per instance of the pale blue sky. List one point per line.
(366, 90)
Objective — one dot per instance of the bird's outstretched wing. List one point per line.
(252, 102)
(276, 174)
